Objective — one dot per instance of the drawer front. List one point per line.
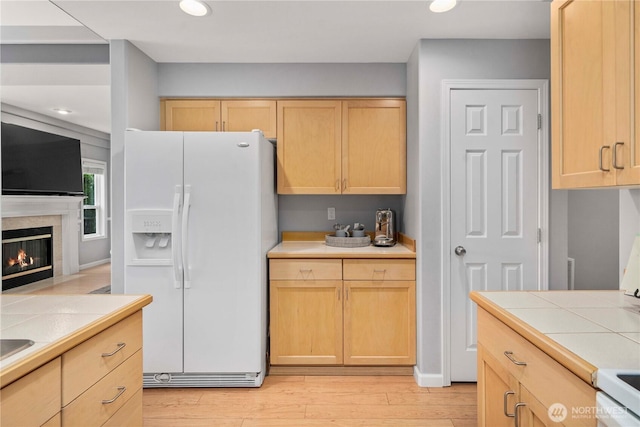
(305, 269)
(92, 359)
(546, 379)
(33, 399)
(379, 269)
(129, 415)
(103, 400)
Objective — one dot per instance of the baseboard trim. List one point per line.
(428, 380)
(340, 370)
(95, 264)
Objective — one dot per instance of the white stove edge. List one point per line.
(621, 394)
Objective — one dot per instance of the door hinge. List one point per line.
(539, 235)
(539, 121)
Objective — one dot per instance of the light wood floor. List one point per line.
(317, 401)
(291, 401)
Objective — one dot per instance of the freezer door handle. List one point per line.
(175, 251)
(185, 229)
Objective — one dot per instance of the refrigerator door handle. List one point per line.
(175, 251)
(185, 229)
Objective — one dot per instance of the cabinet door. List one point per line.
(627, 147)
(497, 392)
(309, 147)
(583, 93)
(246, 115)
(306, 322)
(192, 115)
(379, 323)
(532, 413)
(374, 147)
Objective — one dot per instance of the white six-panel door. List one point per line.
(494, 206)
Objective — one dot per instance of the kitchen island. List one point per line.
(336, 310)
(84, 365)
(544, 356)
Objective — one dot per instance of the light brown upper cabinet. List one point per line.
(239, 115)
(354, 146)
(595, 58)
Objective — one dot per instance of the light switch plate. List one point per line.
(331, 213)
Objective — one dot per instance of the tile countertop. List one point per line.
(318, 249)
(57, 323)
(601, 328)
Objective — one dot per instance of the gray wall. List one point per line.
(629, 225)
(593, 236)
(94, 145)
(134, 104)
(438, 60)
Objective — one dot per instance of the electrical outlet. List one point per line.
(331, 213)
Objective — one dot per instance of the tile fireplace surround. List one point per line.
(60, 212)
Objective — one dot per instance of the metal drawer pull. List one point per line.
(380, 271)
(504, 403)
(509, 355)
(120, 345)
(600, 159)
(615, 155)
(516, 421)
(121, 390)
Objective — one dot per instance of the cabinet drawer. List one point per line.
(546, 379)
(87, 363)
(129, 415)
(305, 269)
(99, 403)
(33, 399)
(379, 269)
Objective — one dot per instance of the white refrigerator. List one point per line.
(200, 217)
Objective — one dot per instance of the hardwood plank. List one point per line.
(389, 411)
(315, 401)
(348, 423)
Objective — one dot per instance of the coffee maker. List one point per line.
(385, 233)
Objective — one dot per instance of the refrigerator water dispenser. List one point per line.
(149, 237)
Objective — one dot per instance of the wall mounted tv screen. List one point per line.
(39, 163)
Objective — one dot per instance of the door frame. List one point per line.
(542, 88)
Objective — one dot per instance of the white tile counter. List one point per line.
(318, 249)
(600, 327)
(56, 323)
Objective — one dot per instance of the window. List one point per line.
(94, 207)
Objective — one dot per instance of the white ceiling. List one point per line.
(238, 31)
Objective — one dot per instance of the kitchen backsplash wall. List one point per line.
(309, 213)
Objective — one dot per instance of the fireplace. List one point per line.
(27, 256)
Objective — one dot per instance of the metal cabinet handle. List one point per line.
(516, 419)
(224, 125)
(509, 355)
(216, 126)
(504, 403)
(337, 185)
(306, 271)
(615, 155)
(600, 166)
(344, 184)
(120, 345)
(380, 271)
(121, 390)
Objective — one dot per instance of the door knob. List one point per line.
(460, 250)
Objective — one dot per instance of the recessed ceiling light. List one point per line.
(439, 6)
(62, 111)
(195, 7)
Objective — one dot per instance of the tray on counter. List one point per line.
(347, 242)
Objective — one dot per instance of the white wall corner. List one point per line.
(428, 380)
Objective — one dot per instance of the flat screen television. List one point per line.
(39, 163)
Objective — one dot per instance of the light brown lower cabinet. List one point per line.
(98, 382)
(317, 318)
(519, 385)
